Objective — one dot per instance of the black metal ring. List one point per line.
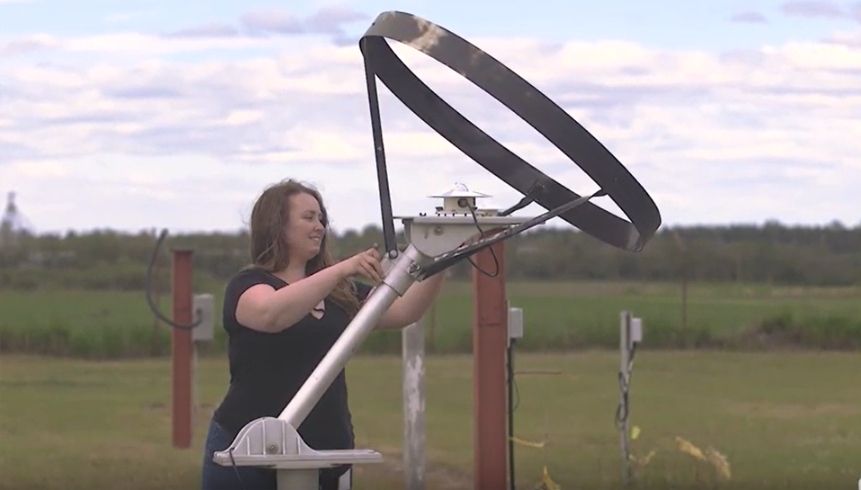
(527, 102)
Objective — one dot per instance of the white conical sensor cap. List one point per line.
(460, 190)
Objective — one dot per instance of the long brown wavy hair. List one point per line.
(269, 218)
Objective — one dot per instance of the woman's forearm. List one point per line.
(285, 307)
(410, 307)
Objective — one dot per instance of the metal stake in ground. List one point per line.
(630, 335)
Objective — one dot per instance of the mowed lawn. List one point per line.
(782, 420)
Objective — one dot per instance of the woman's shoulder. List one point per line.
(251, 276)
(250, 272)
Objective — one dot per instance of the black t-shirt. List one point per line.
(267, 369)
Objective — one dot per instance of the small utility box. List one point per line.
(636, 330)
(515, 323)
(204, 305)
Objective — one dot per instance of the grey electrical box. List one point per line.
(636, 330)
(515, 323)
(203, 307)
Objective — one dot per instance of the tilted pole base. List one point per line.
(268, 442)
(271, 442)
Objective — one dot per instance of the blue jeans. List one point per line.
(217, 477)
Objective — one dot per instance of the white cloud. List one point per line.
(142, 135)
(132, 43)
(848, 38)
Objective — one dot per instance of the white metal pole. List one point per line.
(413, 353)
(396, 283)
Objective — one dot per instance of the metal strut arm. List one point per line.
(389, 238)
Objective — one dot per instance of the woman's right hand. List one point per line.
(365, 263)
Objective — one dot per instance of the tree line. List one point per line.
(772, 253)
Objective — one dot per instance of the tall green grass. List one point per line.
(557, 316)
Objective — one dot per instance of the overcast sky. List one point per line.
(149, 113)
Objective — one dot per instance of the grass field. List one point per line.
(783, 421)
(558, 316)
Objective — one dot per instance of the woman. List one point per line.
(282, 314)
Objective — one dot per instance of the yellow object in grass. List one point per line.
(711, 455)
(547, 483)
(522, 442)
(686, 447)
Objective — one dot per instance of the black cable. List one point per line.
(622, 409)
(527, 199)
(235, 468)
(516, 396)
(463, 202)
(149, 300)
(511, 387)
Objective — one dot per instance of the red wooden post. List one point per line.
(182, 347)
(489, 343)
